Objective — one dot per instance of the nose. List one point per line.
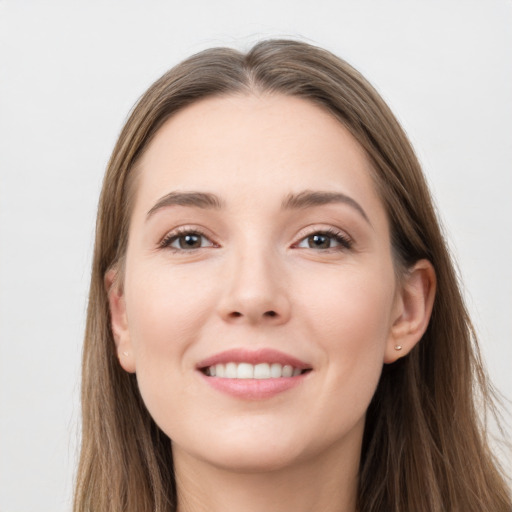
(255, 290)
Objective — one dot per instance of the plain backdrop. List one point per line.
(69, 73)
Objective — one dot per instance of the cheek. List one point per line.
(166, 313)
(352, 308)
(164, 307)
(351, 319)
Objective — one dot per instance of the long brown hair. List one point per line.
(424, 446)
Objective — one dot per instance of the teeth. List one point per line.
(252, 371)
(287, 370)
(230, 372)
(262, 371)
(276, 370)
(245, 371)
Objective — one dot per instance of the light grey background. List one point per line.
(69, 73)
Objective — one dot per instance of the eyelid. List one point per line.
(171, 236)
(343, 238)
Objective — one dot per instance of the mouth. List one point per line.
(260, 371)
(263, 370)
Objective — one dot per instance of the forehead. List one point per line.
(254, 146)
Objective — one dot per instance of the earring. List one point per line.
(398, 347)
(126, 353)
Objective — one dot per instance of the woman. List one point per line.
(274, 320)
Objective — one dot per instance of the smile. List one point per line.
(244, 370)
(253, 374)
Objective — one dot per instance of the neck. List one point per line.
(328, 483)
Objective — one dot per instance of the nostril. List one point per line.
(267, 314)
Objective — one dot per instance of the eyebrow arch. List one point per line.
(309, 199)
(305, 199)
(196, 199)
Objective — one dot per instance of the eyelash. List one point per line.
(345, 243)
(182, 232)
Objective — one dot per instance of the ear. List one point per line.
(119, 322)
(412, 310)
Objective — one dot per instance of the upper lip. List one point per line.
(243, 355)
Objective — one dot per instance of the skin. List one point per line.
(257, 282)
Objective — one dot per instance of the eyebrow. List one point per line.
(309, 199)
(302, 200)
(197, 199)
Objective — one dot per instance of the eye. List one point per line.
(186, 241)
(325, 240)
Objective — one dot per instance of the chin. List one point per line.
(254, 459)
(246, 452)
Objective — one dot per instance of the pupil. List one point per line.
(319, 241)
(190, 241)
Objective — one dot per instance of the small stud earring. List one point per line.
(398, 347)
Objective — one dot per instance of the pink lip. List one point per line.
(265, 355)
(253, 389)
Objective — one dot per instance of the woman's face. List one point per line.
(259, 291)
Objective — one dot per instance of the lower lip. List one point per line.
(254, 389)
